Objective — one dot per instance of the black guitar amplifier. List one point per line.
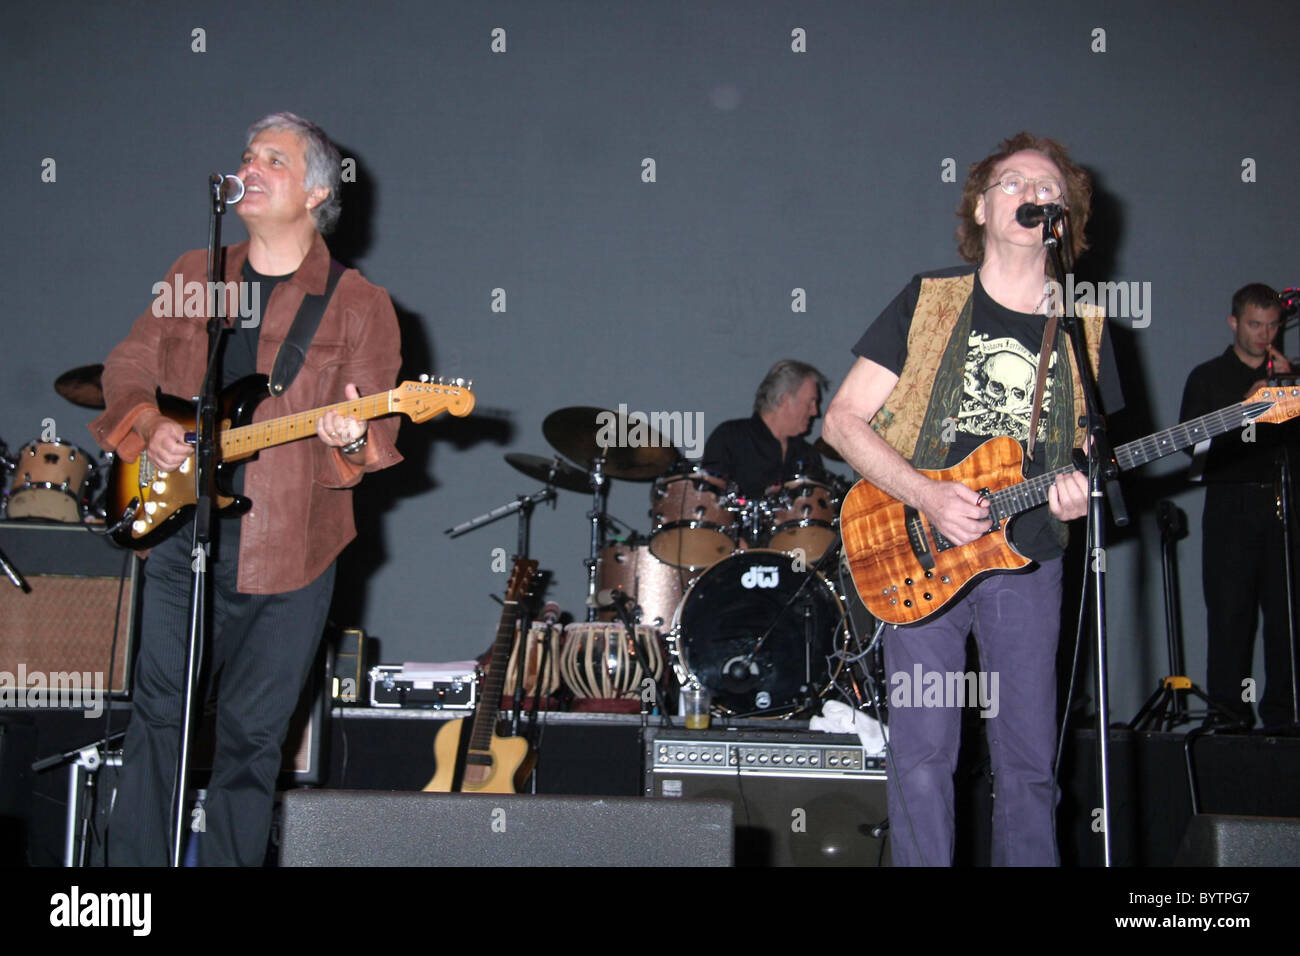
(801, 798)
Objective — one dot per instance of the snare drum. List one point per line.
(603, 661)
(805, 515)
(655, 588)
(693, 527)
(50, 480)
(730, 607)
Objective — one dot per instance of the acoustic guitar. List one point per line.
(481, 761)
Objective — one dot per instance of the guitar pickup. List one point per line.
(917, 537)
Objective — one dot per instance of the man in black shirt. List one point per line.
(1242, 557)
(948, 365)
(767, 448)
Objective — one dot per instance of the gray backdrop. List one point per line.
(522, 171)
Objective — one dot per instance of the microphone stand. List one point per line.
(205, 460)
(1284, 515)
(1102, 470)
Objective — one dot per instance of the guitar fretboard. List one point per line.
(1033, 492)
(485, 717)
(246, 439)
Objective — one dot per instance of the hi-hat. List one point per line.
(552, 471)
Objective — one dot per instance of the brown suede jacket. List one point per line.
(301, 518)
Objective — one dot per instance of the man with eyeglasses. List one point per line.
(951, 363)
(1243, 560)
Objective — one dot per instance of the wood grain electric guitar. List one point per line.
(481, 761)
(160, 502)
(906, 571)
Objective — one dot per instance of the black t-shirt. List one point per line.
(239, 359)
(1217, 384)
(746, 451)
(239, 351)
(998, 388)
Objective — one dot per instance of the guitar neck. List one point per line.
(485, 715)
(246, 439)
(1033, 492)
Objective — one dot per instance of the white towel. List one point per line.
(838, 718)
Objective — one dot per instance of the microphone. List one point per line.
(551, 613)
(1031, 215)
(607, 596)
(230, 187)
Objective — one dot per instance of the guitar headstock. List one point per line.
(522, 579)
(1285, 398)
(423, 399)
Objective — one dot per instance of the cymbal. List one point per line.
(552, 471)
(632, 449)
(81, 386)
(826, 451)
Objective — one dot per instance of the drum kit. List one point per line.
(741, 596)
(54, 480)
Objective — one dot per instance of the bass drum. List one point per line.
(728, 609)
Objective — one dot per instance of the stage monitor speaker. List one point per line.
(366, 828)
(1227, 840)
(800, 799)
(83, 597)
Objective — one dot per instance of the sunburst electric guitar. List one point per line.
(906, 571)
(159, 502)
(480, 761)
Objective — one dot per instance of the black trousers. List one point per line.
(262, 647)
(1243, 573)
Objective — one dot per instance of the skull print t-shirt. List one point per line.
(997, 386)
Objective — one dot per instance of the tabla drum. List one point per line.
(804, 515)
(603, 661)
(543, 642)
(693, 527)
(729, 608)
(655, 588)
(50, 480)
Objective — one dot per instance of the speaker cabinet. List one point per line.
(80, 615)
(365, 828)
(1227, 840)
(800, 799)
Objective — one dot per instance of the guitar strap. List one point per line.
(293, 351)
(1044, 360)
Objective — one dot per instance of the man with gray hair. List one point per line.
(768, 448)
(272, 569)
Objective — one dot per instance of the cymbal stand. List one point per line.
(599, 492)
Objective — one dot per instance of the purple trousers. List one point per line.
(1016, 622)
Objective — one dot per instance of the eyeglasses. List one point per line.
(1013, 184)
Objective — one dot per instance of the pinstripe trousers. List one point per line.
(261, 647)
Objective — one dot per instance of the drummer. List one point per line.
(767, 448)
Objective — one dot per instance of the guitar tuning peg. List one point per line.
(424, 376)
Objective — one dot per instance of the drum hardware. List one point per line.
(82, 386)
